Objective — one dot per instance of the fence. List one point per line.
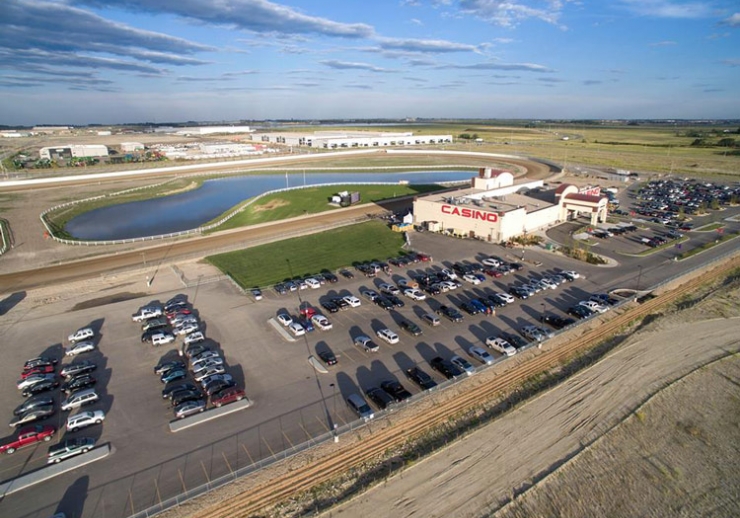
(5, 235)
(354, 425)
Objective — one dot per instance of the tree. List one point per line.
(714, 204)
(726, 142)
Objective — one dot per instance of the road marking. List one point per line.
(268, 447)
(251, 460)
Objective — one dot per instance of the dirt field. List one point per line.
(650, 465)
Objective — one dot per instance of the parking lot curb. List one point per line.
(317, 365)
(182, 424)
(52, 470)
(280, 329)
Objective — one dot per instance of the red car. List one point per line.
(28, 436)
(42, 369)
(493, 272)
(227, 396)
(423, 258)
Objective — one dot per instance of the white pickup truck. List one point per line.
(146, 313)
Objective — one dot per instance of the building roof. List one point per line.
(584, 197)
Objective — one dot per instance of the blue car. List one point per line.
(306, 323)
(478, 306)
(173, 375)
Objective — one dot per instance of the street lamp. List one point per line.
(333, 422)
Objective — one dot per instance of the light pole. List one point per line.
(333, 421)
(639, 276)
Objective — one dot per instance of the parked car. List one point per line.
(205, 382)
(371, 295)
(463, 364)
(168, 365)
(30, 416)
(500, 345)
(194, 338)
(570, 275)
(32, 380)
(28, 436)
(189, 408)
(395, 390)
(84, 419)
(296, 329)
(556, 321)
(380, 397)
(446, 368)
(70, 448)
(389, 289)
(593, 306)
(226, 396)
(431, 319)
(469, 308)
(393, 299)
(217, 385)
(210, 371)
(535, 333)
(366, 343)
(450, 313)
(327, 357)
(79, 398)
(39, 387)
(85, 333)
(579, 311)
(162, 338)
(410, 327)
(155, 323)
(515, 340)
(79, 348)
(34, 402)
(183, 396)
(184, 329)
(171, 388)
(330, 306)
(41, 369)
(352, 301)
(284, 319)
(39, 360)
(481, 355)
(146, 313)
(173, 375)
(321, 322)
(387, 335)
(80, 382)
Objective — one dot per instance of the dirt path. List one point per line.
(476, 475)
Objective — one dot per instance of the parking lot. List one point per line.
(292, 401)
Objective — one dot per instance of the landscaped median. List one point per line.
(268, 264)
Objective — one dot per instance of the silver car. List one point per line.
(84, 419)
(189, 408)
(70, 448)
(210, 371)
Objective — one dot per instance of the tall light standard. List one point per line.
(333, 421)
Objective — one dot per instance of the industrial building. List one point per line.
(495, 208)
(336, 140)
(73, 151)
(210, 130)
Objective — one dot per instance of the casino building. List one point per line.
(495, 208)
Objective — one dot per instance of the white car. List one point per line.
(547, 283)
(210, 371)
(146, 313)
(463, 364)
(387, 335)
(79, 348)
(481, 355)
(162, 338)
(85, 333)
(472, 279)
(570, 275)
(414, 294)
(449, 273)
(490, 261)
(390, 289)
(321, 322)
(353, 301)
(84, 419)
(284, 319)
(593, 306)
(297, 329)
(313, 283)
(186, 328)
(500, 345)
(194, 338)
(505, 297)
(448, 285)
(181, 318)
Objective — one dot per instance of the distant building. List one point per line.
(73, 151)
(132, 147)
(349, 139)
(51, 129)
(210, 130)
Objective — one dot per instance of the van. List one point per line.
(360, 407)
(78, 399)
(431, 319)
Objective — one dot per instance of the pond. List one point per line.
(192, 209)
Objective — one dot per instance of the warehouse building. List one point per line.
(495, 208)
(73, 151)
(356, 139)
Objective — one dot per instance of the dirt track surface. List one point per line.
(476, 475)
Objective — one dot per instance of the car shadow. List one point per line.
(403, 361)
(11, 301)
(426, 351)
(72, 503)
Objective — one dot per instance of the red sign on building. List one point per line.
(466, 212)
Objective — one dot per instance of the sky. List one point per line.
(116, 61)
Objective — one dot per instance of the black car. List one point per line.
(346, 274)
(515, 340)
(451, 313)
(396, 390)
(341, 303)
(39, 361)
(196, 349)
(77, 368)
(380, 397)
(181, 396)
(217, 386)
(556, 322)
(446, 368)
(421, 378)
(395, 301)
(175, 305)
(33, 403)
(580, 311)
(41, 386)
(330, 277)
(497, 301)
(490, 306)
(330, 306)
(281, 289)
(384, 303)
(78, 383)
(410, 327)
(431, 289)
(519, 292)
(170, 388)
(327, 357)
(469, 308)
(515, 267)
(166, 365)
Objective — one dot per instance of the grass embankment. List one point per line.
(707, 246)
(710, 227)
(268, 264)
(299, 202)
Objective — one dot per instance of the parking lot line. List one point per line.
(251, 460)
(308, 435)
(228, 465)
(159, 496)
(268, 447)
(288, 439)
(322, 423)
(182, 481)
(205, 471)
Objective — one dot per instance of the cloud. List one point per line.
(425, 46)
(259, 16)
(509, 13)
(732, 21)
(226, 76)
(18, 59)
(668, 8)
(416, 21)
(348, 65)
(552, 80)
(591, 82)
(663, 44)
(731, 62)
(416, 79)
(359, 87)
(528, 67)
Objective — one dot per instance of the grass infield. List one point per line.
(265, 265)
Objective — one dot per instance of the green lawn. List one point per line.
(312, 200)
(268, 264)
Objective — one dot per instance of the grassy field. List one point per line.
(266, 265)
(312, 200)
